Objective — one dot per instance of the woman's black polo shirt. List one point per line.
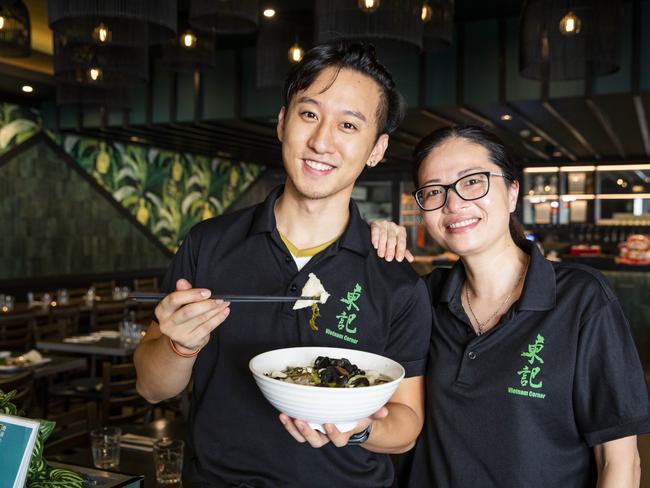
(524, 404)
(374, 306)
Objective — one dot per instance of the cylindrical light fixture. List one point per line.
(570, 39)
(118, 22)
(75, 62)
(438, 19)
(15, 30)
(225, 16)
(275, 47)
(394, 20)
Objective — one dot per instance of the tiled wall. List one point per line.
(53, 222)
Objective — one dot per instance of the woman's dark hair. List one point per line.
(496, 149)
(356, 56)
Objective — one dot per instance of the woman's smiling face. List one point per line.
(467, 227)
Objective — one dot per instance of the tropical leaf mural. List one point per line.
(166, 191)
(17, 124)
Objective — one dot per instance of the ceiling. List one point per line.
(596, 128)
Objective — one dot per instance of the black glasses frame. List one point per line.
(452, 186)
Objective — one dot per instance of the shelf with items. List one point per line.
(604, 194)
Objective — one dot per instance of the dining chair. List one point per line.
(107, 314)
(23, 383)
(16, 331)
(77, 296)
(72, 428)
(120, 401)
(62, 321)
(67, 316)
(104, 289)
(143, 312)
(146, 284)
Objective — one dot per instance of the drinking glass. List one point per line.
(105, 444)
(10, 302)
(62, 296)
(168, 460)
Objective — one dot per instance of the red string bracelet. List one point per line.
(182, 354)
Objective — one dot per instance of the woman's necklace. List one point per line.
(483, 325)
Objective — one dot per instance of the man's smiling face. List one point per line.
(329, 133)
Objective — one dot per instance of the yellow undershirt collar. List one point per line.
(305, 253)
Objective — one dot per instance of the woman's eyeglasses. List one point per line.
(469, 187)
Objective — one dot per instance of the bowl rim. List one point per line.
(263, 377)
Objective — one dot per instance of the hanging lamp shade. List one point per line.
(114, 22)
(191, 49)
(225, 16)
(15, 29)
(567, 39)
(438, 28)
(76, 62)
(397, 21)
(274, 39)
(85, 95)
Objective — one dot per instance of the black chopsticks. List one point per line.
(156, 297)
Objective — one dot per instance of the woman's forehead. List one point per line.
(455, 156)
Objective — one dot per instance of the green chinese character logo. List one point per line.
(534, 350)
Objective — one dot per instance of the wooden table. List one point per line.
(133, 461)
(106, 346)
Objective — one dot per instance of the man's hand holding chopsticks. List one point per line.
(188, 316)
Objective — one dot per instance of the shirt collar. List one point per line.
(539, 292)
(356, 237)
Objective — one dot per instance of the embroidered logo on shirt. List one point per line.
(530, 373)
(345, 328)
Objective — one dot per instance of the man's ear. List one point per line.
(378, 151)
(280, 126)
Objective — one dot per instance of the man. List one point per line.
(340, 106)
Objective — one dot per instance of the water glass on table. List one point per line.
(168, 460)
(105, 444)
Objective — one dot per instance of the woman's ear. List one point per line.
(513, 194)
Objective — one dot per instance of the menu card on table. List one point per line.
(17, 439)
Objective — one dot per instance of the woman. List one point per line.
(533, 375)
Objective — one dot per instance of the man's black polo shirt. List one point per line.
(524, 404)
(374, 306)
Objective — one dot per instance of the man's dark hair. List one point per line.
(356, 56)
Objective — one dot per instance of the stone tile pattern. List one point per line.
(54, 223)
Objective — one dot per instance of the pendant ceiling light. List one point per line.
(391, 20)
(438, 19)
(15, 29)
(76, 62)
(569, 39)
(225, 16)
(278, 45)
(114, 22)
(191, 49)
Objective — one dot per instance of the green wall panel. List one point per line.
(622, 80)
(517, 87)
(56, 223)
(481, 62)
(185, 97)
(441, 77)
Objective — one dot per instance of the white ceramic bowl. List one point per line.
(341, 406)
